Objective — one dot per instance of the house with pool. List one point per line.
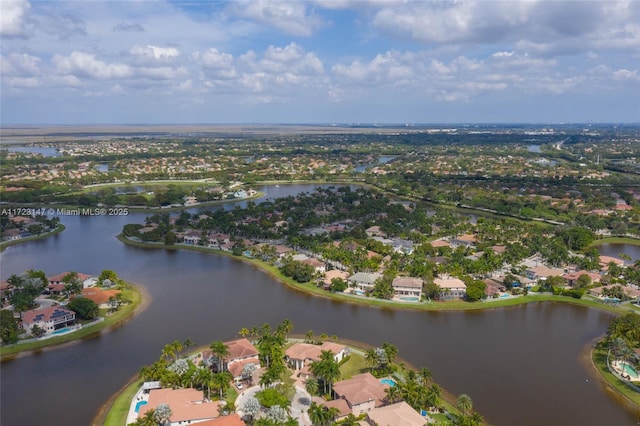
(451, 287)
(363, 281)
(362, 392)
(49, 319)
(408, 289)
(299, 356)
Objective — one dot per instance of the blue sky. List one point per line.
(323, 61)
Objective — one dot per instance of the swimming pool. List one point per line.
(505, 295)
(388, 382)
(63, 330)
(140, 404)
(410, 299)
(631, 371)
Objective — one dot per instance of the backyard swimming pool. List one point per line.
(63, 330)
(140, 404)
(388, 382)
(631, 371)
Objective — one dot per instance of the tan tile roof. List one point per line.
(407, 282)
(361, 388)
(312, 352)
(186, 404)
(99, 296)
(240, 348)
(399, 413)
(340, 404)
(450, 282)
(232, 420)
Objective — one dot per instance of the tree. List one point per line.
(311, 385)
(319, 415)
(464, 404)
(37, 331)
(220, 351)
(247, 372)
(326, 369)
(583, 281)
(251, 408)
(222, 382)
(163, 414)
(338, 285)
(8, 327)
(84, 308)
(277, 414)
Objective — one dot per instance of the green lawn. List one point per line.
(118, 411)
(599, 357)
(616, 240)
(355, 365)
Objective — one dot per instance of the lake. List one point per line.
(519, 365)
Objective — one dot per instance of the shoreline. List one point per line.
(6, 244)
(587, 359)
(449, 306)
(140, 304)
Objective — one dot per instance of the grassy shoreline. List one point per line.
(139, 300)
(5, 244)
(433, 306)
(616, 240)
(598, 358)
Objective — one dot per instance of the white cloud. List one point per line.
(288, 16)
(86, 65)
(19, 64)
(165, 54)
(13, 16)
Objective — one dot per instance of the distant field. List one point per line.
(61, 133)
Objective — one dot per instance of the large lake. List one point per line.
(520, 365)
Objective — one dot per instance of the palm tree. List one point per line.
(319, 415)
(311, 385)
(393, 394)
(425, 375)
(308, 336)
(244, 332)
(203, 378)
(464, 404)
(285, 328)
(219, 350)
(371, 358)
(222, 381)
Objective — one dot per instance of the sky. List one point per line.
(322, 61)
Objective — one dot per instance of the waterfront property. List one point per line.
(362, 392)
(187, 405)
(364, 281)
(399, 413)
(451, 288)
(240, 353)
(407, 288)
(49, 319)
(300, 355)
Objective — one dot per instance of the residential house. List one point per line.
(187, 405)
(317, 265)
(452, 288)
(6, 290)
(628, 291)
(375, 231)
(48, 319)
(572, 278)
(399, 413)
(241, 353)
(466, 240)
(301, 355)
(606, 260)
(86, 279)
(98, 296)
(232, 420)
(439, 244)
(364, 281)
(335, 273)
(493, 287)
(407, 287)
(543, 272)
(192, 237)
(363, 392)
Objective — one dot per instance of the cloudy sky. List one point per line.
(323, 61)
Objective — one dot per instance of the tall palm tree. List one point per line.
(219, 350)
(244, 332)
(222, 381)
(371, 358)
(308, 336)
(464, 403)
(425, 375)
(203, 378)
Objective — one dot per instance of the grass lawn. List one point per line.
(117, 413)
(355, 365)
(132, 293)
(616, 240)
(599, 357)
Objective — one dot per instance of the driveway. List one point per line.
(299, 405)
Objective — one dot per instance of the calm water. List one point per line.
(519, 364)
(44, 151)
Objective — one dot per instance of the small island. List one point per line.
(267, 378)
(40, 311)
